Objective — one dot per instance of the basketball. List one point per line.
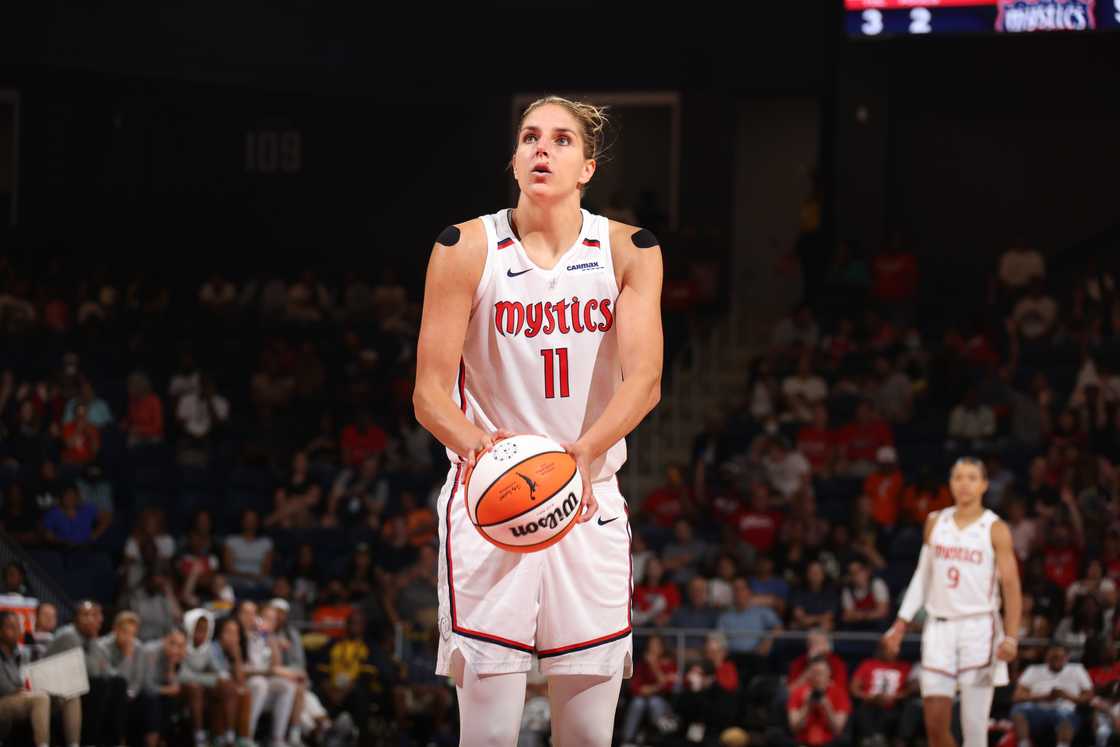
(524, 493)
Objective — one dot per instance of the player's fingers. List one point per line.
(591, 505)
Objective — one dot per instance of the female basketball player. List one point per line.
(963, 645)
(540, 319)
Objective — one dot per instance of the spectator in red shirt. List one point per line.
(884, 487)
(715, 651)
(80, 439)
(144, 422)
(1104, 670)
(332, 612)
(894, 275)
(655, 599)
(655, 678)
(818, 647)
(758, 524)
(879, 684)
(1062, 556)
(859, 441)
(362, 439)
(819, 709)
(818, 443)
(666, 504)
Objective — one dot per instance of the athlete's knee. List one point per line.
(580, 731)
(493, 734)
(938, 714)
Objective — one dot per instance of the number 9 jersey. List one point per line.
(541, 353)
(963, 577)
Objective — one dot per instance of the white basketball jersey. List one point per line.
(541, 353)
(964, 567)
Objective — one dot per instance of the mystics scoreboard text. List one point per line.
(872, 18)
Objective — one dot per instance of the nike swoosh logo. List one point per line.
(608, 521)
(512, 274)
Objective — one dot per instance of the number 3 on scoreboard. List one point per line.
(550, 355)
(954, 577)
(872, 22)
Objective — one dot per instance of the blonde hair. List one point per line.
(593, 121)
(126, 618)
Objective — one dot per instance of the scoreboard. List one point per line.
(875, 18)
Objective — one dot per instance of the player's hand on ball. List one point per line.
(1008, 649)
(484, 442)
(583, 462)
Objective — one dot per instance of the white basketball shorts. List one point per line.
(961, 651)
(569, 604)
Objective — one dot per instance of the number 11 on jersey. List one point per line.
(550, 355)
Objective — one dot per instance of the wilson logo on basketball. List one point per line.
(565, 315)
(551, 520)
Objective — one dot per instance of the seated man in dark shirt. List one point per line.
(20, 705)
(813, 605)
(105, 706)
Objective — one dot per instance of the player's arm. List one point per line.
(1008, 570)
(640, 345)
(915, 597)
(637, 258)
(454, 270)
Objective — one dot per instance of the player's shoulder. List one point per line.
(630, 238)
(931, 521)
(470, 235)
(1000, 530)
(460, 249)
(636, 253)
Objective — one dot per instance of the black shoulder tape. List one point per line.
(449, 236)
(644, 239)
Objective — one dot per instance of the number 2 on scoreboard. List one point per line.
(559, 355)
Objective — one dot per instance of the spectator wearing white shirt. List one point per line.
(1024, 529)
(1046, 698)
(803, 390)
(971, 423)
(186, 379)
(201, 410)
(787, 470)
(247, 557)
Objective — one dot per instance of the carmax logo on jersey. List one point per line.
(566, 315)
(551, 520)
(584, 267)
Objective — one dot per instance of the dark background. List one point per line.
(134, 123)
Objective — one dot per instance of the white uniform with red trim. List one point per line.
(963, 626)
(540, 356)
